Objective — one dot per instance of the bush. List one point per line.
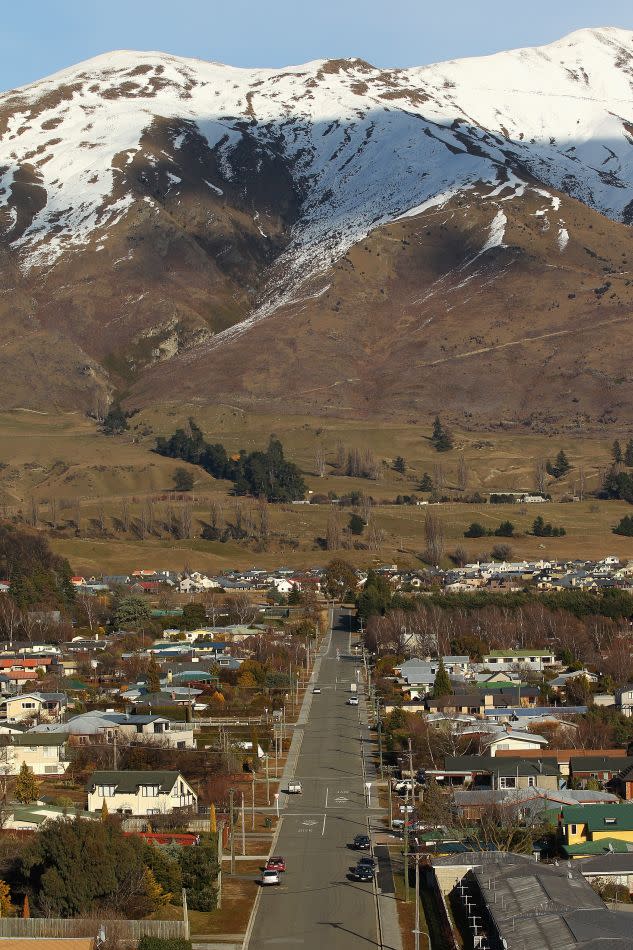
(625, 527)
(505, 530)
(161, 943)
(475, 530)
(501, 552)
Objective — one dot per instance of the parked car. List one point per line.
(317, 689)
(352, 701)
(269, 877)
(368, 862)
(362, 843)
(275, 864)
(362, 872)
(294, 788)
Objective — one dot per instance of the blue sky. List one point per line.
(41, 36)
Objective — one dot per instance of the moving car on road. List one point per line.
(362, 872)
(269, 877)
(275, 864)
(352, 701)
(317, 689)
(361, 843)
(294, 788)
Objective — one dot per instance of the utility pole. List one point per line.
(253, 804)
(267, 781)
(416, 932)
(232, 830)
(243, 828)
(114, 753)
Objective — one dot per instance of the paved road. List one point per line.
(316, 906)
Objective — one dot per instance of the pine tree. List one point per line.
(426, 483)
(153, 676)
(400, 465)
(628, 453)
(441, 437)
(26, 786)
(442, 684)
(616, 452)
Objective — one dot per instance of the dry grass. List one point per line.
(65, 458)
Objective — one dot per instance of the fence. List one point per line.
(31, 927)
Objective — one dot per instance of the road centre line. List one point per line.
(323, 828)
(326, 795)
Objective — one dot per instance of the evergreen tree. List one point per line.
(105, 814)
(400, 465)
(625, 526)
(560, 467)
(616, 452)
(115, 422)
(183, 480)
(441, 437)
(26, 786)
(153, 677)
(213, 821)
(475, 530)
(426, 483)
(133, 613)
(628, 453)
(356, 524)
(26, 910)
(442, 684)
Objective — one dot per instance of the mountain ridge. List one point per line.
(154, 210)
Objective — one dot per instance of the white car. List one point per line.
(269, 877)
(294, 788)
(317, 689)
(352, 701)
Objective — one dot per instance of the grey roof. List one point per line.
(613, 863)
(42, 738)
(503, 765)
(129, 781)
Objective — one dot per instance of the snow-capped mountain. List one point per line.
(234, 190)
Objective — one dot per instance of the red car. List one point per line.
(276, 864)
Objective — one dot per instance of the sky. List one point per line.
(39, 37)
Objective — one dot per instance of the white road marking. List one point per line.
(323, 829)
(326, 795)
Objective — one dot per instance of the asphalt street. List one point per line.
(316, 904)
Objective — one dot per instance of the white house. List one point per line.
(45, 706)
(97, 726)
(512, 739)
(140, 793)
(45, 754)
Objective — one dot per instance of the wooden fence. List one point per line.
(79, 927)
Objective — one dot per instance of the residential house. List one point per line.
(564, 756)
(581, 823)
(624, 700)
(481, 771)
(534, 660)
(508, 739)
(41, 706)
(140, 793)
(592, 767)
(98, 726)
(44, 754)
(611, 868)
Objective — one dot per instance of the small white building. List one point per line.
(140, 793)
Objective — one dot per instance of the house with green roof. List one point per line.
(579, 824)
(130, 792)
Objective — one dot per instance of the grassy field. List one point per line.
(68, 467)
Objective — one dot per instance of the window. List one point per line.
(531, 781)
(52, 769)
(507, 781)
(105, 791)
(149, 791)
(503, 745)
(610, 821)
(572, 829)
(28, 705)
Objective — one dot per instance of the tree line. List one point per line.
(267, 474)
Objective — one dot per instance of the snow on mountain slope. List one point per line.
(363, 145)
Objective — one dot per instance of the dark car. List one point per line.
(362, 843)
(368, 862)
(362, 872)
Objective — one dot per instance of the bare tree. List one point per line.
(319, 460)
(150, 509)
(215, 605)
(53, 510)
(366, 506)
(439, 481)
(434, 537)
(101, 518)
(540, 475)
(90, 607)
(216, 518)
(185, 519)
(375, 536)
(340, 459)
(462, 473)
(125, 514)
(334, 532)
(264, 519)
(241, 609)
(77, 515)
(581, 482)
(34, 512)
(10, 617)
